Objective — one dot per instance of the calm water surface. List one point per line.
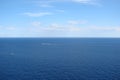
(59, 59)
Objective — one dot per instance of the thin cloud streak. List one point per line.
(46, 5)
(84, 1)
(50, 3)
(36, 23)
(40, 14)
(75, 22)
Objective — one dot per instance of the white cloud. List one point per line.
(55, 27)
(36, 23)
(90, 2)
(83, 1)
(49, 3)
(37, 14)
(104, 28)
(71, 26)
(61, 11)
(39, 29)
(118, 29)
(46, 5)
(11, 28)
(75, 22)
(74, 29)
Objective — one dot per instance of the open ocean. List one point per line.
(59, 59)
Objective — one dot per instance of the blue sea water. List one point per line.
(59, 59)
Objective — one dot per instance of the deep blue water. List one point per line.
(59, 59)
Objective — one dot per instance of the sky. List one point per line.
(60, 18)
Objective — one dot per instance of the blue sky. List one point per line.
(60, 18)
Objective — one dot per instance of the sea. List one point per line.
(59, 58)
